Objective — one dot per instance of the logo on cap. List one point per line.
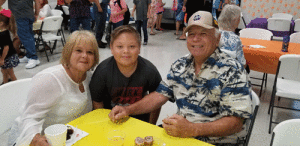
(197, 17)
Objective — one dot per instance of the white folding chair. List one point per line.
(279, 24)
(13, 96)
(295, 37)
(286, 133)
(250, 122)
(297, 25)
(286, 83)
(242, 23)
(257, 33)
(56, 12)
(283, 15)
(50, 32)
(66, 10)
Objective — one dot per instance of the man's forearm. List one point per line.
(222, 127)
(148, 104)
(154, 116)
(37, 7)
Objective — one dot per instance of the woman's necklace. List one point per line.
(81, 87)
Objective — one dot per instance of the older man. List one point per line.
(211, 90)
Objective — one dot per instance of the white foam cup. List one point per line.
(56, 134)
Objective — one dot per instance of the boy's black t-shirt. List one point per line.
(110, 86)
(5, 40)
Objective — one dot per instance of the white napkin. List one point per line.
(256, 46)
(77, 135)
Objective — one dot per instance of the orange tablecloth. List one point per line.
(266, 59)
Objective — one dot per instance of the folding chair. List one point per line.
(56, 12)
(283, 15)
(49, 25)
(13, 96)
(286, 83)
(295, 37)
(255, 105)
(257, 33)
(297, 25)
(286, 133)
(279, 24)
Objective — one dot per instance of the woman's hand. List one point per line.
(39, 140)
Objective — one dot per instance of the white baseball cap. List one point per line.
(200, 18)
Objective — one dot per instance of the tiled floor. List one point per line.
(162, 50)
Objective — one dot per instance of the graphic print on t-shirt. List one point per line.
(126, 95)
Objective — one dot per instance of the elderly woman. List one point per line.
(230, 43)
(60, 93)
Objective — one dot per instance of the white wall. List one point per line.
(5, 5)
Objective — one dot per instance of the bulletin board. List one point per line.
(266, 8)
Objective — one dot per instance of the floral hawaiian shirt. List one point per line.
(221, 88)
(232, 45)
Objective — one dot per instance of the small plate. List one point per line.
(73, 135)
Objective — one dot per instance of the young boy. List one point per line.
(142, 8)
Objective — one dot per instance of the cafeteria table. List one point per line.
(266, 59)
(98, 125)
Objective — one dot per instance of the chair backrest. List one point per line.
(52, 23)
(255, 105)
(297, 25)
(256, 33)
(282, 15)
(66, 10)
(56, 12)
(13, 96)
(295, 37)
(289, 67)
(279, 24)
(286, 133)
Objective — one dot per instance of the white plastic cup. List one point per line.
(56, 134)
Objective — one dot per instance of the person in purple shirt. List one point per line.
(80, 13)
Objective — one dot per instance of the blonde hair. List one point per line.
(125, 29)
(76, 38)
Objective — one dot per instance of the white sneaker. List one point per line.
(32, 63)
(23, 60)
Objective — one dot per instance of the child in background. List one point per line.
(153, 16)
(45, 10)
(160, 9)
(142, 14)
(8, 55)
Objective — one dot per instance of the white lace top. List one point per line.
(53, 98)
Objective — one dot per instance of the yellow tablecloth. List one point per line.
(97, 124)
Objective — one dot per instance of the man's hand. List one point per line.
(118, 113)
(177, 126)
(39, 140)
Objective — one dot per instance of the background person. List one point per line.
(126, 77)
(8, 55)
(211, 90)
(58, 94)
(231, 43)
(100, 19)
(142, 8)
(24, 20)
(117, 13)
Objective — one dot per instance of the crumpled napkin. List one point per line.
(77, 135)
(256, 46)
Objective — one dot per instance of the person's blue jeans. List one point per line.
(139, 24)
(115, 25)
(26, 36)
(84, 21)
(100, 19)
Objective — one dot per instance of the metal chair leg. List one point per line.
(271, 117)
